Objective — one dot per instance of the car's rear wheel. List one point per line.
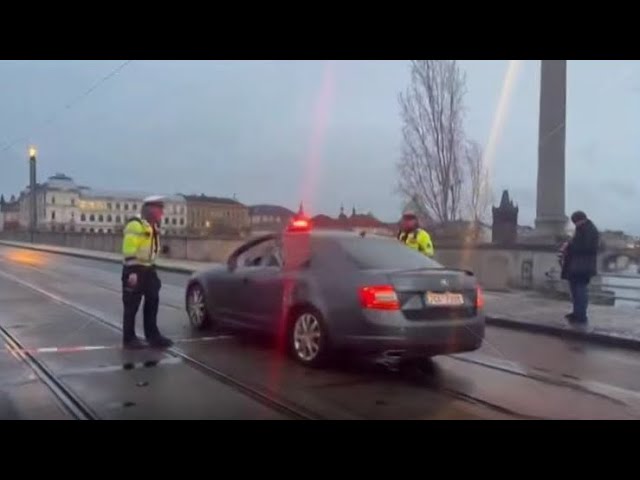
(308, 338)
(199, 317)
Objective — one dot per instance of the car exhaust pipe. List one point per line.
(390, 359)
(392, 354)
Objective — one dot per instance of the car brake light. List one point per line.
(381, 297)
(479, 298)
(299, 224)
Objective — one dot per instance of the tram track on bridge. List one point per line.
(65, 396)
(513, 368)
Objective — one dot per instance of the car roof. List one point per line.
(337, 234)
(326, 233)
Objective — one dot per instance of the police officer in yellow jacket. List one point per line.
(140, 248)
(413, 236)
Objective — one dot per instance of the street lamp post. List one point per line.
(33, 209)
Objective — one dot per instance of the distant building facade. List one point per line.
(9, 214)
(617, 239)
(269, 218)
(102, 211)
(56, 204)
(505, 221)
(64, 206)
(355, 222)
(211, 215)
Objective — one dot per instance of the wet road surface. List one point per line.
(23, 395)
(51, 300)
(116, 384)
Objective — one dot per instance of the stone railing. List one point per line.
(497, 267)
(501, 268)
(180, 248)
(529, 267)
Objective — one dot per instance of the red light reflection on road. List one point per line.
(27, 257)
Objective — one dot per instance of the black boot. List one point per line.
(158, 341)
(133, 343)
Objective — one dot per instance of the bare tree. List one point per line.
(431, 166)
(440, 169)
(478, 194)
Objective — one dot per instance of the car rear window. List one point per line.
(380, 253)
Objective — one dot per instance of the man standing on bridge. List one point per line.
(579, 264)
(140, 248)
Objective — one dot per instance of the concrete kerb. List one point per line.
(574, 334)
(566, 333)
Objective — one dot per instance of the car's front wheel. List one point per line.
(199, 317)
(308, 338)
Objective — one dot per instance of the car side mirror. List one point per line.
(273, 262)
(232, 264)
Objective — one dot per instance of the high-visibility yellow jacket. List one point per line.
(419, 240)
(140, 244)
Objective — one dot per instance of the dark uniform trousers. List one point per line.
(148, 286)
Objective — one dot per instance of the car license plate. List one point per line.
(444, 299)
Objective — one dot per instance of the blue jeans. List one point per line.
(580, 297)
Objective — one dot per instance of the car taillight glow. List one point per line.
(381, 297)
(479, 298)
(299, 225)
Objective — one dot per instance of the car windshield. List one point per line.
(381, 253)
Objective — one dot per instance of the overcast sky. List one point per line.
(276, 131)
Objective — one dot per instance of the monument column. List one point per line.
(551, 218)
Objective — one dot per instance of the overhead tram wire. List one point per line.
(69, 105)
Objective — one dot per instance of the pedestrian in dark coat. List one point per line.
(580, 264)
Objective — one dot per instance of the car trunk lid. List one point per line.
(435, 293)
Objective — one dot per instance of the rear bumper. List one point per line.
(423, 338)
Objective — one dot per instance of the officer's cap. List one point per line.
(155, 200)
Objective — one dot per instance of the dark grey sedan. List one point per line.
(322, 291)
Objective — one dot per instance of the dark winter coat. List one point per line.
(580, 262)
